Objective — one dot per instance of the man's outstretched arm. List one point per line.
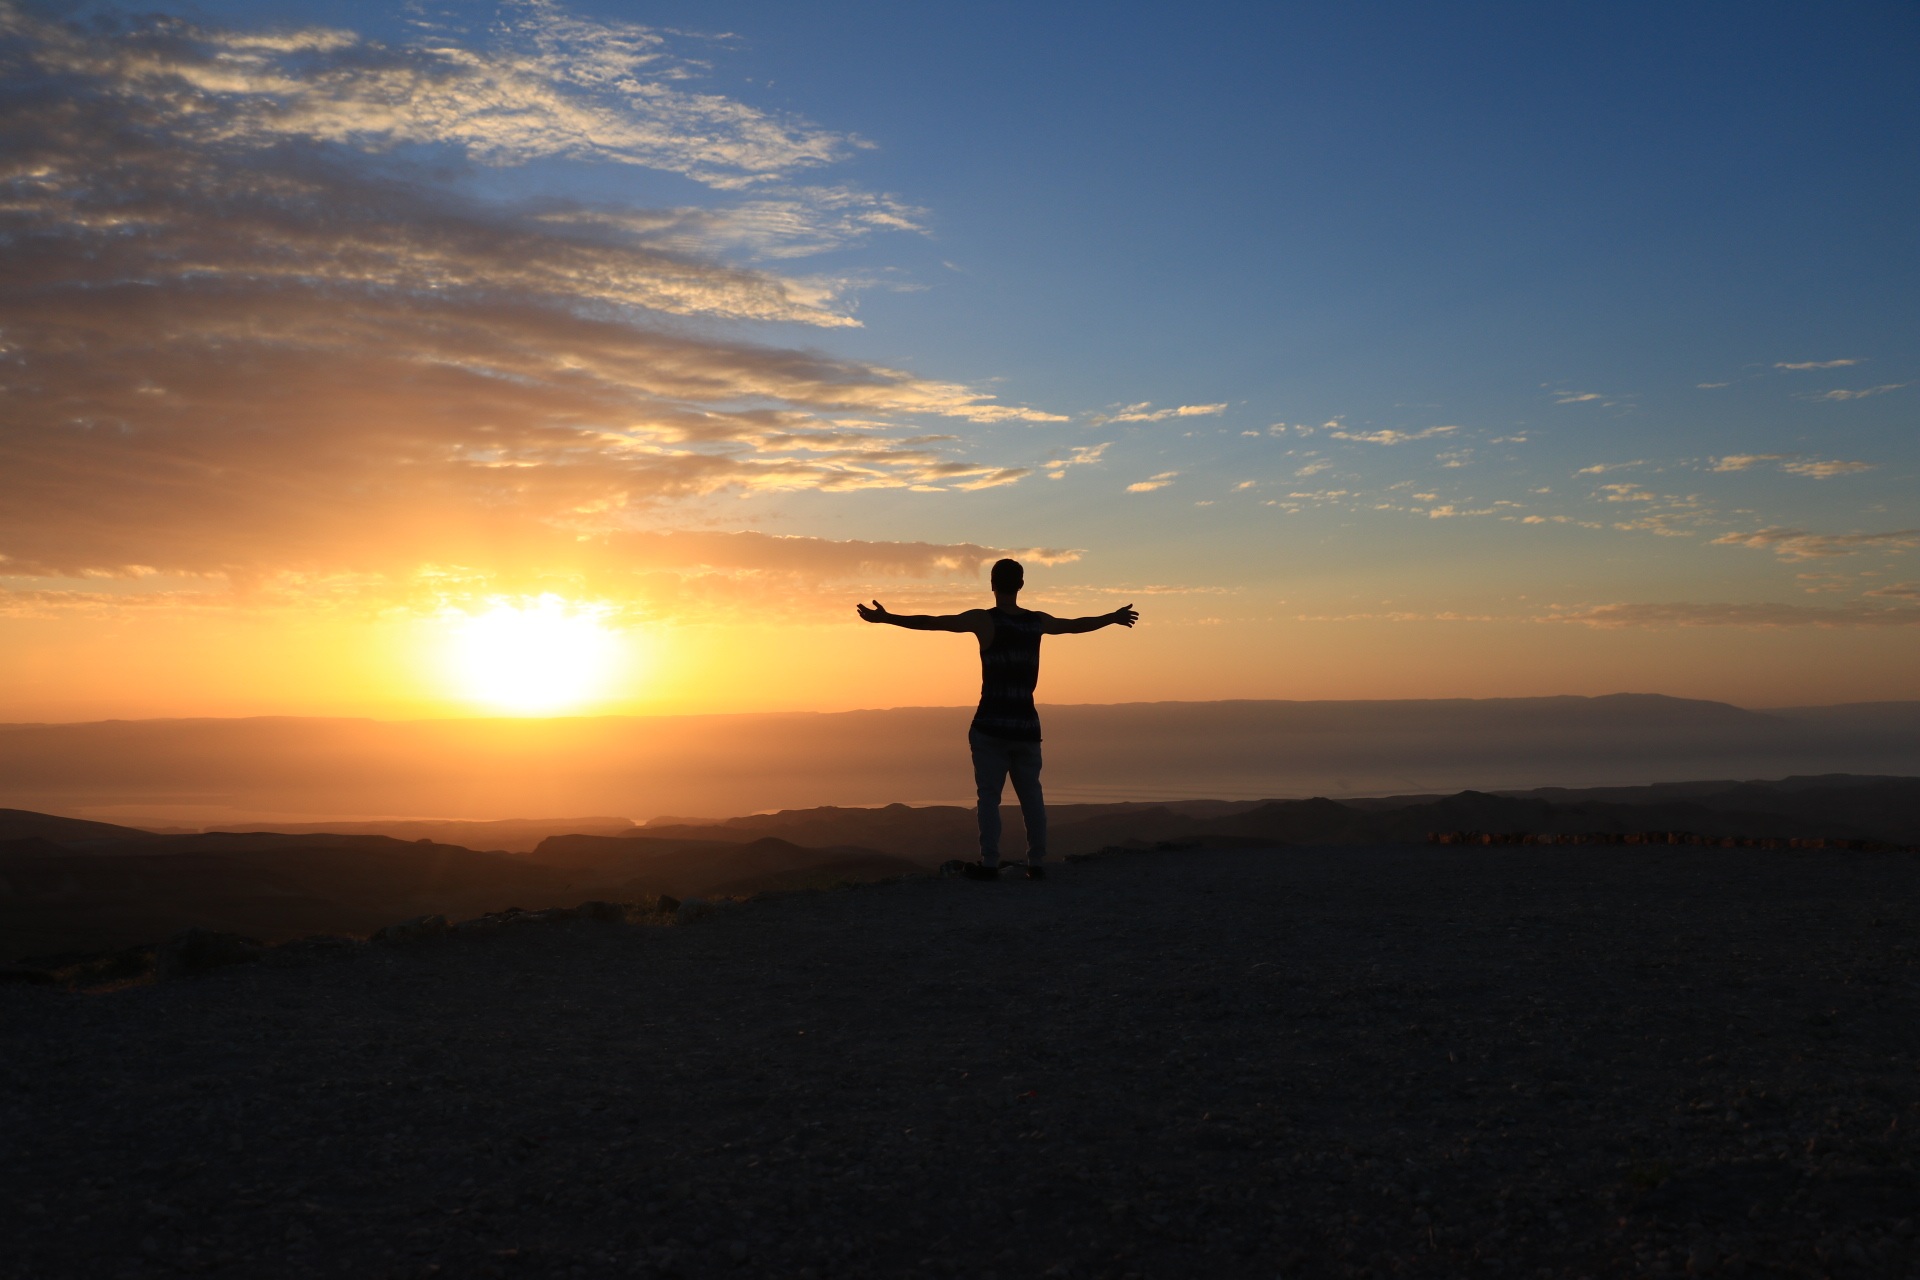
(1125, 616)
(969, 621)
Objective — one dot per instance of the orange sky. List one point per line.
(287, 662)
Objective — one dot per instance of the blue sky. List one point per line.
(1599, 315)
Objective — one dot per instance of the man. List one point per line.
(1005, 734)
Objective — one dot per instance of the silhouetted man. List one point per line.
(1005, 734)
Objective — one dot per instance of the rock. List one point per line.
(951, 868)
(607, 912)
(414, 930)
(692, 909)
(196, 951)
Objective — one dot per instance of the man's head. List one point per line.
(1007, 576)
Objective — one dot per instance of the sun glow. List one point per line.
(536, 657)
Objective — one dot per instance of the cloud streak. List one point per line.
(1145, 412)
(1858, 394)
(1796, 545)
(1737, 615)
(1388, 436)
(1814, 468)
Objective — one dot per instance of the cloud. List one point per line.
(1825, 470)
(1795, 545)
(1314, 468)
(1601, 468)
(678, 575)
(1145, 412)
(1897, 591)
(1798, 365)
(248, 334)
(1576, 397)
(1625, 493)
(1815, 468)
(1160, 481)
(1390, 436)
(787, 222)
(549, 85)
(1860, 394)
(1664, 524)
(1743, 461)
(1736, 615)
(1397, 617)
(1080, 456)
(1711, 386)
(815, 559)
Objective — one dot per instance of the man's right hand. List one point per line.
(1126, 615)
(877, 613)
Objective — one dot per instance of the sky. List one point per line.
(451, 359)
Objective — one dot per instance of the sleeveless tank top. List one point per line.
(1009, 670)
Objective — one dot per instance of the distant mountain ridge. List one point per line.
(1248, 749)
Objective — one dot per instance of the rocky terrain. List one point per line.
(1365, 1060)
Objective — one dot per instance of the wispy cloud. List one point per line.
(248, 336)
(665, 575)
(1744, 461)
(1390, 436)
(547, 85)
(1860, 394)
(1824, 470)
(1601, 468)
(1086, 455)
(1801, 365)
(1796, 545)
(1815, 468)
(1148, 485)
(1736, 615)
(1145, 412)
(1897, 591)
(787, 222)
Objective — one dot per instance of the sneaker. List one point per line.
(981, 871)
(1036, 872)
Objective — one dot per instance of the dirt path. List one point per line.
(1307, 1062)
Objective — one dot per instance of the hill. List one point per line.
(91, 886)
(24, 824)
(57, 899)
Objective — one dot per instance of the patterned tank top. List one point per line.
(1009, 670)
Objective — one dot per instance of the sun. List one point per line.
(537, 657)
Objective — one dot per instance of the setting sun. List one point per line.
(533, 658)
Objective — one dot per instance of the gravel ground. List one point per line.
(1353, 1061)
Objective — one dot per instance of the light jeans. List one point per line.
(994, 759)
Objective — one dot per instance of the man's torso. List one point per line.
(1009, 671)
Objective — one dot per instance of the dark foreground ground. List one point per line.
(1384, 1061)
